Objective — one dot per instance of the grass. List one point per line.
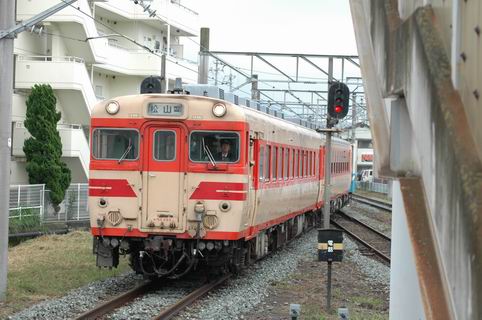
(25, 224)
(50, 266)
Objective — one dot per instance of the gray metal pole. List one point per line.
(327, 191)
(254, 87)
(353, 118)
(326, 194)
(7, 20)
(203, 57)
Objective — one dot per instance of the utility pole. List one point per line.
(7, 20)
(203, 57)
(8, 31)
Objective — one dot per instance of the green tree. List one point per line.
(43, 149)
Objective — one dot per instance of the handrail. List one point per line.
(51, 58)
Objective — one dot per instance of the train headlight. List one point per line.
(112, 107)
(219, 110)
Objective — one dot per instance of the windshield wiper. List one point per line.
(129, 147)
(208, 153)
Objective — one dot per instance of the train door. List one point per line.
(253, 150)
(163, 178)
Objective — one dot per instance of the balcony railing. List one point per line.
(51, 59)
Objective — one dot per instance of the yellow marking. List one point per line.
(324, 246)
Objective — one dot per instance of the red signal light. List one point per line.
(338, 109)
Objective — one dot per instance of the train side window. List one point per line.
(295, 164)
(309, 164)
(261, 163)
(280, 163)
(292, 174)
(164, 147)
(300, 163)
(273, 163)
(286, 164)
(268, 163)
(306, 164)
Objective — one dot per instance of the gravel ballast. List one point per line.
(79, 300)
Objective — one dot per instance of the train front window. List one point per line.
(115, 144)
(214, 146)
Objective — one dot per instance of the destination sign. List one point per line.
(165, 109)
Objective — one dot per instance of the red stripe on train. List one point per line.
(234, 191)
(110, 188)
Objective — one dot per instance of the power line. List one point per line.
(129, 38)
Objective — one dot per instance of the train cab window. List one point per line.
(261, 163)
(164, 148)
(115, 144)
(214, 146)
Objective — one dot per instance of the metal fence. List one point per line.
(372, 186)
(28, 200)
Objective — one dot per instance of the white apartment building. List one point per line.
(86, 52)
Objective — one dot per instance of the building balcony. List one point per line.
(172, 12)
(67, 76)
(139, 62)
(75, 147)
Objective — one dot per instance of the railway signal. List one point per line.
(338, 100)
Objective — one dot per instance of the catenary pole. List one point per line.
(203, 57)
(7, 20)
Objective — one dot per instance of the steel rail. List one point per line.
(383, 256)
(372, 202)
(116, 302)
(188, 300)
(367, 226)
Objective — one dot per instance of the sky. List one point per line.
(303, 26)
(283, 26)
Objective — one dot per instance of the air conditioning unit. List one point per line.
(205, 90)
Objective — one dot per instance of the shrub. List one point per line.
(43, 149)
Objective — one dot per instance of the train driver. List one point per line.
(226, 155)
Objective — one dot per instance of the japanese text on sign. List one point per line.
(165, 109)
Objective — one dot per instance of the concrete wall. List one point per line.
(405, 60)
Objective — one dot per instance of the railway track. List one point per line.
(380, 204)
(375, 241)
(167, 313)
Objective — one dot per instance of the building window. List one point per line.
(365, 144)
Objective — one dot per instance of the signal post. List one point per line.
(330, 241)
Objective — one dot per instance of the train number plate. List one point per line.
(165, 109)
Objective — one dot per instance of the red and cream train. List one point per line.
(181, 180)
